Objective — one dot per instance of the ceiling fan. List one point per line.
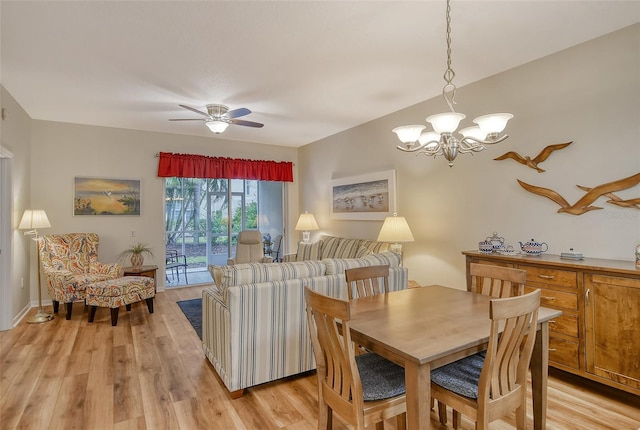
(219, 117)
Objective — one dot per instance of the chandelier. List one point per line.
(442, 141)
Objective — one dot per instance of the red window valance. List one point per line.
(200, 166)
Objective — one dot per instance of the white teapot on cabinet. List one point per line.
(533, 248)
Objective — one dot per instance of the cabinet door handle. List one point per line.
(552, 350)
(550, 298)
(552, 321)
(546, 276)
(586, 296)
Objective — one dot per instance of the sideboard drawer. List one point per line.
(556, 299)
(564, 352)
(549, 276)
(565, 324)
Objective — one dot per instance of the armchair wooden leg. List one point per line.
(128, 307)
(92, 313)
(69, 307)
(150, 305)
(114, 316)
(56, 306)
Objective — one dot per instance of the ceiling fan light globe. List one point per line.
(217, 126)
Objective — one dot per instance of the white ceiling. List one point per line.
(307, 69)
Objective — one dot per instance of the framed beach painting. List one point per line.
(106, 196)
(365, 197)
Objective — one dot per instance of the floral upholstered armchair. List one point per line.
(70, 263)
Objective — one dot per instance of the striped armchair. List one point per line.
(69, 263)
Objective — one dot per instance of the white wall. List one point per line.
(63, 151)
(589, 94)
(16, 137)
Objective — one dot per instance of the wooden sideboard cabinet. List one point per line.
(598, 334)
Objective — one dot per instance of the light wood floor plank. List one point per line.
(149, 372)
(127, 398)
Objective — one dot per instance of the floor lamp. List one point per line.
(32, 220)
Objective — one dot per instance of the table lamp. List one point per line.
(395, 229)
(306, 222)
(32, 220)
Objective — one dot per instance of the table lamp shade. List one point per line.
(34, 219)
(395, 229)
(307, 222)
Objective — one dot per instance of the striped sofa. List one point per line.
(254, 327)
(336, 247)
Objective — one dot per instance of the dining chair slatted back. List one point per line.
(340, 388)
(367, 281)
(497, 281)
(502, 375)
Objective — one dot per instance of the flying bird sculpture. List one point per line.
(615, 200)
(584, 205)
(533, 163)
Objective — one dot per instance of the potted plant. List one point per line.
(137, 253)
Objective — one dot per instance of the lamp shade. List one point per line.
(33, 219)
(395, 229)
(409, 133)
(217, 126)
(446, 122)
(493, 123)
(307, 222)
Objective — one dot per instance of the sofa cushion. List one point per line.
(363, 251)
(251, 273)
(309, 251)
(340, 247)
(375, 247)
(339, 265)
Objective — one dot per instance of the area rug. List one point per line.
(192, 309)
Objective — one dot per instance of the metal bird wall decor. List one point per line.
(533, 163)
(584, 204)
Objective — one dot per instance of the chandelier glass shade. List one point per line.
(442, 140)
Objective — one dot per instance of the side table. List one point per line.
(148, 271)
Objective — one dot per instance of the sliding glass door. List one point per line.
(204, 216)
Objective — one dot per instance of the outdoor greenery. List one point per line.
(186, 211)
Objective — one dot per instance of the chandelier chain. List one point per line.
(449, 90)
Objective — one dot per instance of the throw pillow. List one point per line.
(309, 251)
(363, 252)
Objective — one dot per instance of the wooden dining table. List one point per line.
(427, 327)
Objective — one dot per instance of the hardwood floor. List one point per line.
(149, 372)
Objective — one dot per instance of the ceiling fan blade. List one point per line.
(246, 123)
(194, 110)
(236, 113)
(187, 119)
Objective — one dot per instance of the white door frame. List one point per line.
(6, 241)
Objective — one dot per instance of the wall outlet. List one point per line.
(133, 233)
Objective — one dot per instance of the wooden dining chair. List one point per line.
(359, 390)
(497, 281)
(489, 387)
(367, 281)
(493, 281)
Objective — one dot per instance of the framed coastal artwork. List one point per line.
(365, 197)
(106, 196)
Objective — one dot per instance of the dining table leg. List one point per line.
(418, 386)
(539, 375)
